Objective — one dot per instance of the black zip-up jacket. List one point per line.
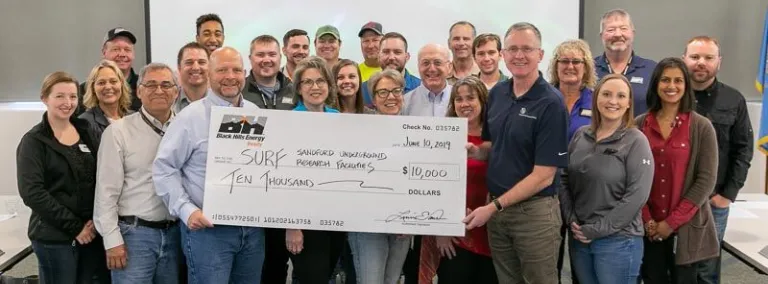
(98, 120)
(726, 108)
(284, 97)
(48, 184)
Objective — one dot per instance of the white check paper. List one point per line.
(336, 172)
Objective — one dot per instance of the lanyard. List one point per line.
(146, 120)
(266, 102)
(610, 70)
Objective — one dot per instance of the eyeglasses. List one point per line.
(566, 61)
(384, 93)
(309, 82)
(526, 49)
(165, 86)
(436, 63)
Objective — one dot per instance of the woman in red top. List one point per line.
(677, 213)
(468, 259)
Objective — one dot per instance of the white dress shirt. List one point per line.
(124, 184)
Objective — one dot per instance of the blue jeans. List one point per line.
(378, 258)
(153, 255)
(711, 269)
(70, 264)
(223, 254)
(612, 259)
(721, 220)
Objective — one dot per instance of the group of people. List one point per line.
(615, 154)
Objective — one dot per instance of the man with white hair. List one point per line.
(431, 97)
(618, 35)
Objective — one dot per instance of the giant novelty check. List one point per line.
(338, 172)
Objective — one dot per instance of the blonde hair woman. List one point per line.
(572, 71)
(107, 96)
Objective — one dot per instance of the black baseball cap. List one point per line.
(371, 26)
(113, 33)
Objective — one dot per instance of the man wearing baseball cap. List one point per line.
(118, 46)
(370, 39)
(328, 44)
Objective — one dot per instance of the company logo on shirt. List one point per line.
(646, 161)
(242, 127)
(522, 113)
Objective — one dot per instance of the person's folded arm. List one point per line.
(566, 199)
(110, 175)
(565, 194)
(639, 178)
(705, 175)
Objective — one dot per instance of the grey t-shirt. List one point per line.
(608, 182)
(269, 91)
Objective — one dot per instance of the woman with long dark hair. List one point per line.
(678, 220)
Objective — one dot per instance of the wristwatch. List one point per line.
(498, 205)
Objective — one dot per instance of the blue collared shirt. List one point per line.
(179, 167)
(581, 113)
(411, 82)
(301, 107)
(524, 132)
(638, 73)
(422, 102)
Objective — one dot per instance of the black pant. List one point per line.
(275, 267)
(659, 265)
(466, 267)
(411, 265)
(316, 262)
(72, 264)
(347, 264)
(561, 257)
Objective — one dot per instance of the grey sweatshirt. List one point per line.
(608, 182)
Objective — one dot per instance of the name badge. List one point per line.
(287, 100)
(636, 80)
(84, 148)
(586, 112)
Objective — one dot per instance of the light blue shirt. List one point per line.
(422, 102)
(179, 167)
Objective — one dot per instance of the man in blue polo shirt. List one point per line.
(525, 129)
(618, 34)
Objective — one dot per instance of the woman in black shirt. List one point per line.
(56, 174)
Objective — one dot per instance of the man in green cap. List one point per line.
(328, 44)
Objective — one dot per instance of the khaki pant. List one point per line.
(525, 239)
